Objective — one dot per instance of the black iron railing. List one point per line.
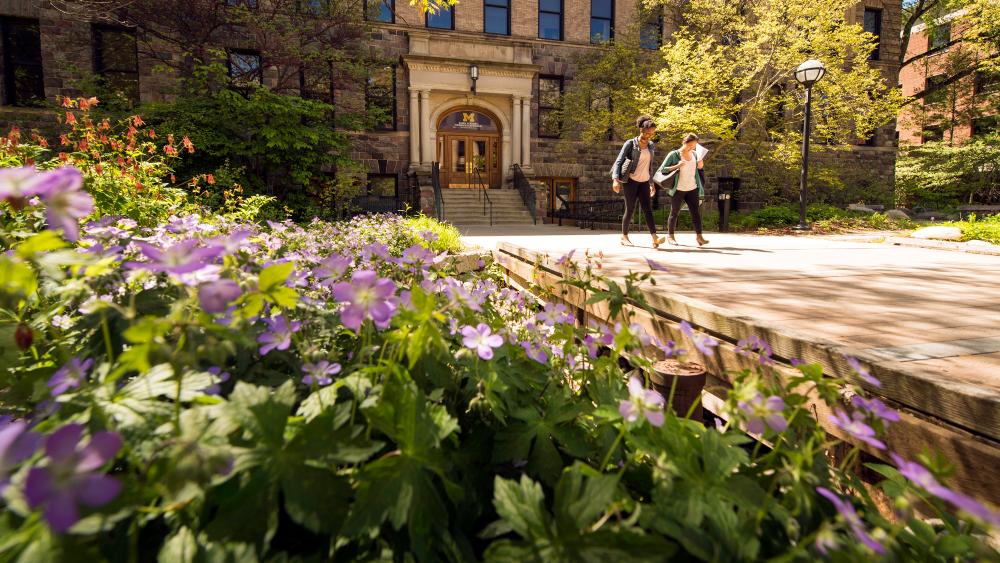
(484, 195)
(527, 192)
(587, 213)
(438, 197)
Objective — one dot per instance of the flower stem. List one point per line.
(106, 332)
(614, 446)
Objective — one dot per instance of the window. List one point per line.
(550, 90)
(651, 34)
(383, 185)
(940, 36)
(984, 125)
(987, 82)
(932, 133)
(380, 95)
(496, 17)
(252, 4)
(602, 18)
(116, 61)
(873, 25)
(245, 69)
(316, 83)
(314, 7)
(22, 62)
(443, 19)
(940, 94)
(550, 22)
(381, 10)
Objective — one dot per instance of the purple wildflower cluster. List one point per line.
(642, 402)
(850, 516)
(61, 190)
(764, 412)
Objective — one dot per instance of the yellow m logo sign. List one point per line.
(468, 117)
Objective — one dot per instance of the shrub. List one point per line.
(986, 229)
(939, 175)
(235, 392)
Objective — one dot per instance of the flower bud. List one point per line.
(24, 336)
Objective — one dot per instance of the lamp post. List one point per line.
(474, 75)
(808, 73)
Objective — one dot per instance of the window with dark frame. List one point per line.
(985, 125)
(245, 70)
(550, 89)
(602, 21)
(443, 19)
(550, 19)
(251, 4)
(937, 96)
(383, 185)
(24, 83)
(931, 133)
(496, 17)
(385, 13)
(380, 96)
(939, 36)
(316, 83)
(986, 82)
(313, 7)
(873, 25)
(116, 60)
(651, 34)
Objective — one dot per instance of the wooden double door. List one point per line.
(462, 156)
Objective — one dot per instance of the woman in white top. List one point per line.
(687, 187)
(633, 174)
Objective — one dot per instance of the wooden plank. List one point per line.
(977, 457)
(965, 405)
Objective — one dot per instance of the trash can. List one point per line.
(727, 202)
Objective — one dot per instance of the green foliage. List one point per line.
(986, 228)
(272, 144)
(941, 175)
(448, 238)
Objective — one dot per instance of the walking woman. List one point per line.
(687, 187)
(633, 171)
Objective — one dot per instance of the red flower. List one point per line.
(137, 121)
(188, 144)
(63, 157)
(210, 178)
(70, 119)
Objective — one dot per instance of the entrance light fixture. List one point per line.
(474, 75)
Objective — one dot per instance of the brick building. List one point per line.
(957, 112)
(474, 86)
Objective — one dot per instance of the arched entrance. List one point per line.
(468, 148)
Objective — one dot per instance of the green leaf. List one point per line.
(146, 330)
(275, 275)
(17, 278)
(284, 297)
(406, 415)
(397, 489)
(581, 496)
(181, 547)
(315, 498)
(262, 411)
(521, 504)
(44, 241)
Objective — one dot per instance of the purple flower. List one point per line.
(220, 377)
(20, 184)
(876, 408)
(656, 266)
(754, 343)
(65, 202)
(182, 258)
(856, 428)
(72, 476)
(703, 343)
(923, 478)
(554, 314)
(417, 255)
(366, 296)
(642, 402)
(481, 340)
(760, 412)
(535, 352)
(846, 510)
(69, 376)
(669, 348)
(278, 335)
(862, 372)
(565, 258)
(429, 236)
(16, 445)
(216, 296)
(332, 269)
(319, 372)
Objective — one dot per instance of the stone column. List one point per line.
(426, 142)
(515, 157)
(526, 133)
(415, 157)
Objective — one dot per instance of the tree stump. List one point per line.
(690, 377)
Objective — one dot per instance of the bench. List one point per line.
(965, 210)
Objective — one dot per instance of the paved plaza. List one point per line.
(911, 309)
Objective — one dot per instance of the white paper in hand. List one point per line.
(700, 152)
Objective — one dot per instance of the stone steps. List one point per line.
(465, 208)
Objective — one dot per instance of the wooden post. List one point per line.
(690, 380)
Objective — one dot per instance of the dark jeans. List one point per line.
(691, 199)
(634, 191)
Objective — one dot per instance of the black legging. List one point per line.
(637, 191)
(691, 199)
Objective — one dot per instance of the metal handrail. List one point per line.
(526, 191)
(436, 184)
(484, 196)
